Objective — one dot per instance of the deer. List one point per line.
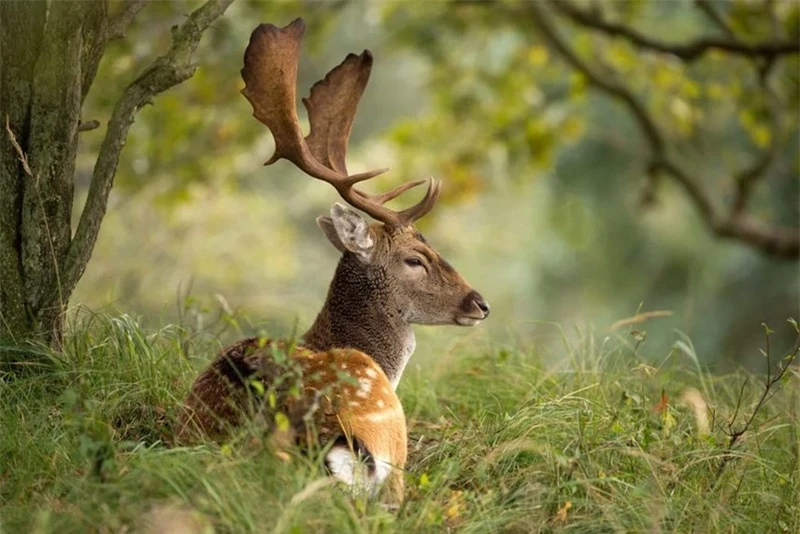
(336, 386)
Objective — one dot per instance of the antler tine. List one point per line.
(418, 210)
(390, 195)
(270, 76)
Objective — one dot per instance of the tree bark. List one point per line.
(48, 61)
(21, 31)
(51, 151)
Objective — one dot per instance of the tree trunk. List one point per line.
(21, 31)
(43, 56)
(48, 60)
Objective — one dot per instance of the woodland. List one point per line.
(621, 180)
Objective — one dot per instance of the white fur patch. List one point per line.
(345, 467)
(409, 344)
(380, 403)
(382, 471)
(372, 373)
(342, 464)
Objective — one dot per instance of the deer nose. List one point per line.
(480, 302)
(484, 306)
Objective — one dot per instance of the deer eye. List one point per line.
(414, 262)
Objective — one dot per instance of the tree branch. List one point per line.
(715, 17)
(653, 134)
(167, 71)
(686, 51)
(94, 43)
(780, 241)
(86, 126)
(118, 25)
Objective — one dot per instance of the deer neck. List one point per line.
(360, 313)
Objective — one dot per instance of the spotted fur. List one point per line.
(339, 396)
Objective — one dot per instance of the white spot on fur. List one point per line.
(343, 366)
(372, 373)
(380, 403)
(365, 386)
(353, 403)
(377, 417)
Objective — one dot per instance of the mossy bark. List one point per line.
(48, 60)
(21, 31)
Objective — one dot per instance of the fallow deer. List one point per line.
(344, 373)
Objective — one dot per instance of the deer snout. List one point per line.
(480, 302)
(474, 308)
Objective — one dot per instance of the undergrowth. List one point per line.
(607, 441)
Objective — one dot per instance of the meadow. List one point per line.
(604, 441)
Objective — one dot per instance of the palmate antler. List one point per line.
(270, 76)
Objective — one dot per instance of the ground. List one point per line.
(606, 441)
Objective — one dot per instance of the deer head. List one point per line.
(388, 271)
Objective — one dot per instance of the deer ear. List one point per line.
(325, 224)
(346, 230)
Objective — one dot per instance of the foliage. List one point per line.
(703, 110)
(553, 230)
(605, 442)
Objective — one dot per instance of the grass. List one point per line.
(499, 442)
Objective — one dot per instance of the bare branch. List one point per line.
(167, 71)
(776, 240)
(771, 382)
(118, 25)
(86, 126)
(780, 241)
(686, 51)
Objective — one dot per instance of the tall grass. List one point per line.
(608, 441)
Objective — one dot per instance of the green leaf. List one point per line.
(257, 385)
(424, 481)
(281, 422)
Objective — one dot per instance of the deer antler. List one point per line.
(270, 76)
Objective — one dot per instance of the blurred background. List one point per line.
(550, 207)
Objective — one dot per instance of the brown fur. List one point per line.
(324, 395)
(372, 305)
(341, 383)
(364, 329)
